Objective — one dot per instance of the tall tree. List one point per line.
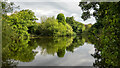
(61, 18)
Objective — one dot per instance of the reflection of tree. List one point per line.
(61, 52)
(78, 41)
(52, 45)
(9, 64)
(17, 49)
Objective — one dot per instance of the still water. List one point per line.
(60, 51)
(48, 51)
(80, 57)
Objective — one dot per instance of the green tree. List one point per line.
(51, 27)
(77, 27)
(61, 18)
(33, 29)
(106, 31)
(20, 22)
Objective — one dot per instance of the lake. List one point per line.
(51, 51)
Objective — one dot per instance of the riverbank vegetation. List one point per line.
(23, 24)
(51, 27)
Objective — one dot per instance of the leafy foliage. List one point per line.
(77, 41)
(77, 27)
(106, 32)
(51, 27)
(61, 18)
(7, 7)
(15, 36)
(19, 22)
(54, 45)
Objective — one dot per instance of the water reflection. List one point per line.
(80, 57)
(23, 50)
(54, 45)
(17, 50)
(60, 51)
(77, 41)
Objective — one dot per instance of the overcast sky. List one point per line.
(54, 7)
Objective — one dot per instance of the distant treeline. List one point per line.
(23, 23)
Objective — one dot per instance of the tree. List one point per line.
(77, 27)
(50, 27)
(61, 18)
(20, 22)
(107, 16)
(8, 7)
(106, 31)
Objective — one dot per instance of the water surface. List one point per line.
(80, 57)
(60, 51)
(49, 51)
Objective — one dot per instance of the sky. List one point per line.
(53, 8)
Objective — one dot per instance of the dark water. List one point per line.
(56, 51)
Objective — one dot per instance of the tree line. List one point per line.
(23, 24)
